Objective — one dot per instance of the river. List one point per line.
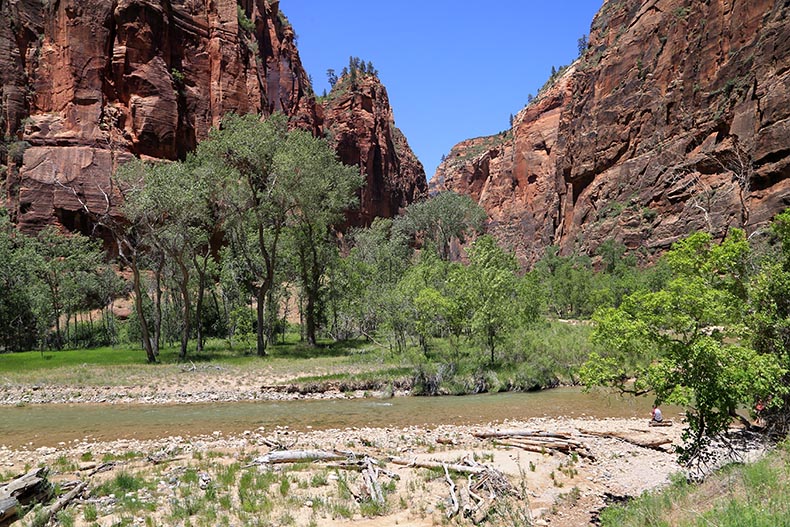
(47, 425)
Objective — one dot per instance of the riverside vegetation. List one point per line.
(707, 327)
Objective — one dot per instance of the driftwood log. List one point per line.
(371, 475)
(492, 434)
(9, 508)
(436, 465)
(653, 442)
(453, 496)
(297, 456)
(537, 441)
(660, 423)
(32, 487)
(64, 500)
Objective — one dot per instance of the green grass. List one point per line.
(533, 358)
(751, 495)
(126, 365)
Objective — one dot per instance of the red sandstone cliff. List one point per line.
(86, 84)
(356, 118)
(677, 118)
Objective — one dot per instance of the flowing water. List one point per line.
(47, 425)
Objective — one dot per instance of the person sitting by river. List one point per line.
(657, 417)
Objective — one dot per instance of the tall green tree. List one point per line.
(436, 306)
(494, 292)
(770, 319)
(17, 317)
(442, 219)
(66, 264)
(256, 199)
(688, 337)
(567, 283)
(362, 284)
(321, 189)
(174, 203)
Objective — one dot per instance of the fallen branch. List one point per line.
(463, 469)
(654, 444)
(296, 456)
(453, 498)
(65, 500)
(520, 433)
(103, 468)
(357, 466)
(529, 448)
(370, 473)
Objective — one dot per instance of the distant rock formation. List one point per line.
(357, 119)
(675, 119)
(87, 84)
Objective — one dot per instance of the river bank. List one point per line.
(179, 444)
(558, 489)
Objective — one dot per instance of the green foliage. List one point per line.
(499, 301)
(582, 43)
(687, 336)
(18, 323)
(443, 219)
(244, 21)
(16, 152)
(769, 318)
(178, 77)
(321, 189)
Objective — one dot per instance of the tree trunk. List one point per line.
(158, 307)
(58, 338)
(491, 344)
(138, 304)
(201, 270)
(296, 456)
(301, 316)
(259, 331)
(310, 320)
(184, 287)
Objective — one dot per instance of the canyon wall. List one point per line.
(87, 84)
(676, 118)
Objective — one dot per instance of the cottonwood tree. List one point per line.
(436, 305)
(489, 285)
(769, 320)
(256, 199)
(128, 236)
(17, 316)
(321, 189)
(174, 204)
(443, 218)
(362, 284)
(65, 264)
(688, 336)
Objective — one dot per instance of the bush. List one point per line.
(244, 21)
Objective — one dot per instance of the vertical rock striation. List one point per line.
(86, 84)
(676, 118)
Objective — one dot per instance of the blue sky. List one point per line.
(453, 70)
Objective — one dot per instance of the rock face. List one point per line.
(356, 118)
(86, 84)
(675, 119)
